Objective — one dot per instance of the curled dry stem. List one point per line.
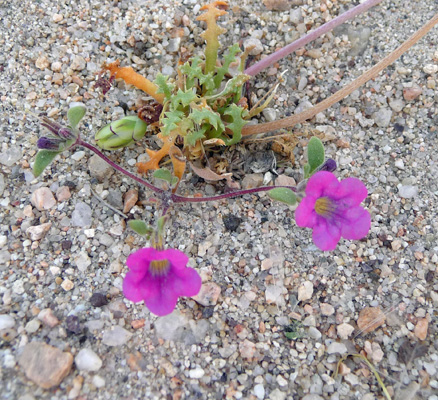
(344, 92)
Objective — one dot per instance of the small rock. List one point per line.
(314, 333)
(259, 391)
(67, 285)
(382, 117)
(270, 114)
(82, 261)
(397, 105)
(73, 324)
(266, 264)
(231, 222)
(336, 347)
(42, 62)
(399, 164)
(296, 16)
(172, 326)
(78, 63)
(63, 193)
(327, 309)
(305, 291)
(81, 215)
(43, 199)
(411, 93)
(208, 295)
(396, 244)
(88, 360)
(247, 349)
(274, 294)
(39, 231)
(138, 323)
(56, 66)
(118, 308)
(98, 381)
(6, 322)
(57, 17)
(117, 336)
(98, 300)
(256, 44)
(284, 180)
(47, 317)
(370, 318)
(251, 181)
(32, 326)
(344, 330)
(196, 373)
(277, 5)
(130, 199)
(45, 365)
(374, 351)
(99, 169)
(421, 327)
(408, 191)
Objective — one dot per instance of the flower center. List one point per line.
(325, 207)
(159, 267)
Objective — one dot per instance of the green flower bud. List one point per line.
(121, 133)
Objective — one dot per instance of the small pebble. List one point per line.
(43, 199)
(88, 360)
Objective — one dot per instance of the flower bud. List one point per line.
(121, 133)
(51, 143)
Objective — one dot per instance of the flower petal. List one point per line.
(326, 235)
(133, 289)
(358, 225)
(320, 183)
(176, 258)
(140, 260)
(162, 304)
(350, 193)
(305, 215)
(187, 284)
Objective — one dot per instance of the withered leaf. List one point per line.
(408, 351)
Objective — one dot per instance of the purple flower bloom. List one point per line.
(331, 208)
(159, 277)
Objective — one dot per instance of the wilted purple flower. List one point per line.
(331, 208)
(329, 165)
(159, 277)
(57, 129)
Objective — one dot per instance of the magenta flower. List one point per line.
(331, 208)
(159, 277)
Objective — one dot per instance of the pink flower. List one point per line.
(331, 208)
(159, 277)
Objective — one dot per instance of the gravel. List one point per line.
(59, 247)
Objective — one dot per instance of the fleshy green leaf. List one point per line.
(42, 160)
(140, 227)
(306, 170)
(315, 153)
(284, 195)
(163, 174)
(75, 113)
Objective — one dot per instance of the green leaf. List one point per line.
(284, 195)
(193, 70)
(163, 174)
(209, 116)
(140, 227)
(235, 112)
(170, 123)
(315, 154)
(163, 86)
(75, 113)
(194, 136)
(184, 98)
(42, 160)
(227, 60)
(292, 335)
(306, 170)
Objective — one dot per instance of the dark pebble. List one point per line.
(231, 222)
(73, 324)
(66, 244)
(207, 312)
(98, 300)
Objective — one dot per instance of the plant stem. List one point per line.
(345, 91)
(181, 199)
(328, 26)
(80, 142)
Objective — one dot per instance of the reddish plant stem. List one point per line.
(167, 197)
(297, 44)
